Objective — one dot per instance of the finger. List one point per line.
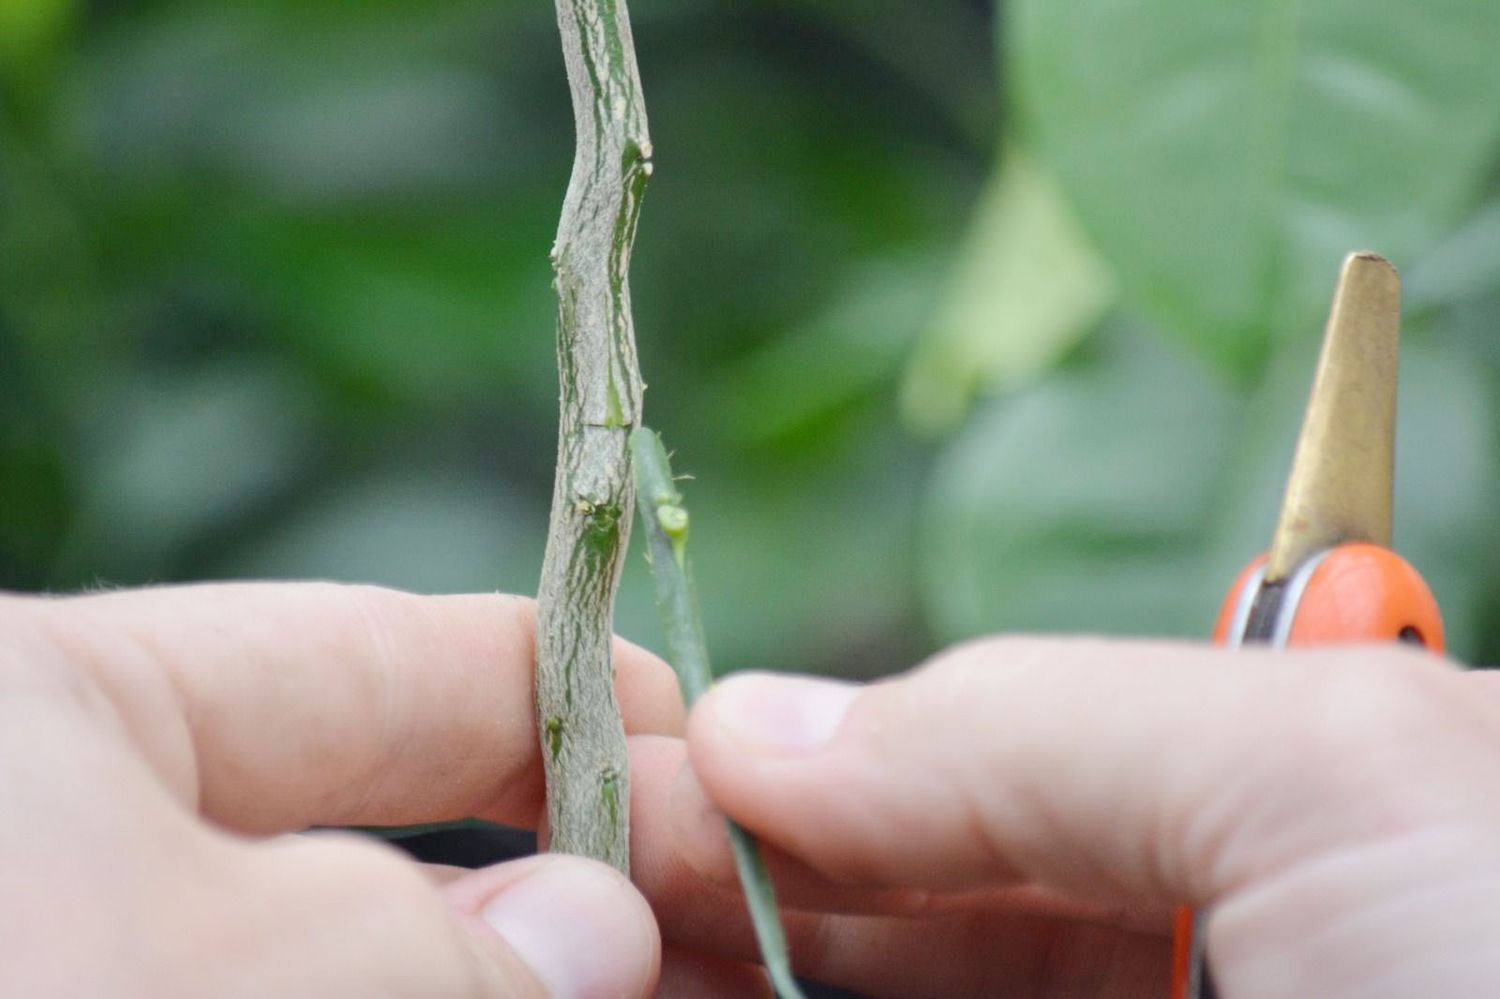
(344, 916)
(1138, 772)
(942, 944)
(1485, 680)
(681, 851)
(687, 974)
(441, 874)
(984, 956)
(967, 954)
(279, 706)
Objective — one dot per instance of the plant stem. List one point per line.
(578, 717)
(665, 520)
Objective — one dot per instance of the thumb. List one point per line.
(352, 917)
(1144, 773)
(580, 927)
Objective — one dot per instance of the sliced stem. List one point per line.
(666, 523)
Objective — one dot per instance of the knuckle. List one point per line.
(43, 654)
(1387, 696)
(1386, 731)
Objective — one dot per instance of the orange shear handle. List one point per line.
(1359, 593)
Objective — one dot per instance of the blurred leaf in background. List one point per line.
(1082, 504)
(1026, 287)
(1222, 160)
(1226, 157)
(274, 298)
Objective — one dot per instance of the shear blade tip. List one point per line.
(1339, 489)
(1361, 259)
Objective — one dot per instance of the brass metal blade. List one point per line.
(1341, 481)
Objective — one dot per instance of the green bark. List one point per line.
(666, 523)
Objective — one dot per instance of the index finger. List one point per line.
(277, 706)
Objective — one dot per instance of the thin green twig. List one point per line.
(666, 523)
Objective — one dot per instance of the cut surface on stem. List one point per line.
(665, 520)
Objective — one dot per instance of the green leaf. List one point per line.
(1446, 480)
(1025, 288)
(1124, 494)
(427, 531)
(1463, 267)
(30, 32)
(785, 549)
(801, 382)
(1446, 483)
(1225, 157)
(1080, 504)
(178, 460)
(429, 310)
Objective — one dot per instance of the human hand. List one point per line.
(155, 747)
(1020, 816)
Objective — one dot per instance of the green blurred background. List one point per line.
(963, 319)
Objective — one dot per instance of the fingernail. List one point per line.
(782, 715)
(581, 929)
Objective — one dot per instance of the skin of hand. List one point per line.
(158, 747)
(1015, 818)
(1019, 816)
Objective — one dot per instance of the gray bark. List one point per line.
(578, 717)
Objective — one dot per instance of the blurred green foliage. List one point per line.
(945, 356)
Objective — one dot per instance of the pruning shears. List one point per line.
(1330, 576)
